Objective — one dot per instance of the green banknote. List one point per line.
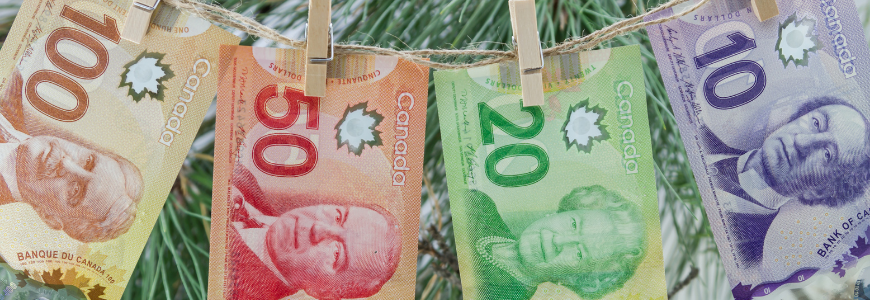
(555, 201)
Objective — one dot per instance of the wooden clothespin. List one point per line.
(525, 26)
(138, 20)
(320, 48)
(765, 9)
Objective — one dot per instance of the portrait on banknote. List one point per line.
(553, 201)
(591, 245)
(93, 131)
(297, 237)
(776, 123)
(89, 193)
(331, 249)
(820, 156)
(315, 195)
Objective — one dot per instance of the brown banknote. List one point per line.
(93, 131)
(316, 197)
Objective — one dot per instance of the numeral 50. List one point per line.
(294, 98)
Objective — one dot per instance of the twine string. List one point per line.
(250, 26)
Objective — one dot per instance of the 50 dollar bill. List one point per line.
(558, 200)
(316, 198)
(93, 131)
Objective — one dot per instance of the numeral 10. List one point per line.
(739, 43)
(294, 98)
(107, 29)
(490, 118)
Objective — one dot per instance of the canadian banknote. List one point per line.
(316, 198)
(556, 201)
(774, 117)
(93, 131)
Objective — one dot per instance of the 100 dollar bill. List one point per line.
(559, 200)
(774, 117)
(93, 131)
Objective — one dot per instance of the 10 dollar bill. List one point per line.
(774, 117)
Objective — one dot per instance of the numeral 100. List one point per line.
(107, 29)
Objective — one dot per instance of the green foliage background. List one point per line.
(174, 264)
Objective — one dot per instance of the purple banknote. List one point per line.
(774, 116)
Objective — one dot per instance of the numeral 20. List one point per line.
(294, 98)
(490, 118)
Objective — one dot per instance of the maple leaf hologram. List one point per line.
(145, 75)
(35, 275)
(357, 129)
(583, 126)
(849, 261)
(796, 40)
(99, 258)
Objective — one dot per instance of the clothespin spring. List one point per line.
(331, 46)
(138, 20)
(146, 7)
(540, 49)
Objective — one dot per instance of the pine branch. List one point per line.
(685, 282)
(446, 264)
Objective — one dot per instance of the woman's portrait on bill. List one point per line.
(89, 193)
(591, 245)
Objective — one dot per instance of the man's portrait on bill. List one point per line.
(591, 245)
(89, 193)
(821, 156)
(328, 248)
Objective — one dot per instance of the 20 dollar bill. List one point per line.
(558, 200)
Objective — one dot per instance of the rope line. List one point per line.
(252, 27)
